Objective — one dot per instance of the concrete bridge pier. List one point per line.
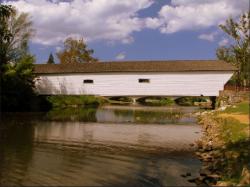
(134, 100)
(213, 99)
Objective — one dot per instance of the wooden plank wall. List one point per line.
(126, 84)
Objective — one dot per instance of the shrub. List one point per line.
(155, 101)
(189, 101)
(122, 99)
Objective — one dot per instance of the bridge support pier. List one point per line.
(134, 100)
(213, 100)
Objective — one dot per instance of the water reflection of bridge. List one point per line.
(142, 99)
(126, 114)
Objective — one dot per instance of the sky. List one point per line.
(121, 30)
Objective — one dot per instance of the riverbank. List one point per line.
(224, 146)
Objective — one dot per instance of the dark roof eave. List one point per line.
(119, 67)
(136, 72)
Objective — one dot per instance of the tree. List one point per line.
(5, 35)
(16, 30)
(75, 51)
(16, 62)
(51, 59)
(238, 53)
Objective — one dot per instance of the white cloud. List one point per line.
(223, 42)
(198, 14)
(120, 56)
(111, 20)
(116, 20)
(209, 37)
(128, 40)
(58, 48)
(152, 23)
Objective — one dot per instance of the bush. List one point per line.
(189, 101)
(121, 99)
(155, 101)
(17, 85)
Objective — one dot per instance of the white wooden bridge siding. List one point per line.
(126, 84)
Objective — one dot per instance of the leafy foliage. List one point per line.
(189, 101)
(155, 101)
(16, 63)
(5, 34)
(16, 30)
(75, 51)
(17, 84)
(238, 53)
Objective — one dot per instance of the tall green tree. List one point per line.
(16, 62)
(5, 35)
(238, 53)
(75, 51)
(51, 59)
(16, 30)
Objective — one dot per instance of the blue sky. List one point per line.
(132, 29)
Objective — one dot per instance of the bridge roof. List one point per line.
(135, 66)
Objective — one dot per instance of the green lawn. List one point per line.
(241, 108)
(233, 130)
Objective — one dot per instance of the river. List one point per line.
(112, 145)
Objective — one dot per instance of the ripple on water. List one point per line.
(89, 154)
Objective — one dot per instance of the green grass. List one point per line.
(234, 135)
(62, 101)
(241, 108)
(231, 130)
(156, 101)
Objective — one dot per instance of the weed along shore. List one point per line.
(224, 146)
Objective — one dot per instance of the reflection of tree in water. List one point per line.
(72, 114)
(124, 113)
(16, 151)
(150, 116)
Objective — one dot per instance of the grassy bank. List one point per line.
(224, 147)
(61, 101)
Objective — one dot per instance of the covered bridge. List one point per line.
(134, 78)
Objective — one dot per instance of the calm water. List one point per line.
(109, 146)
